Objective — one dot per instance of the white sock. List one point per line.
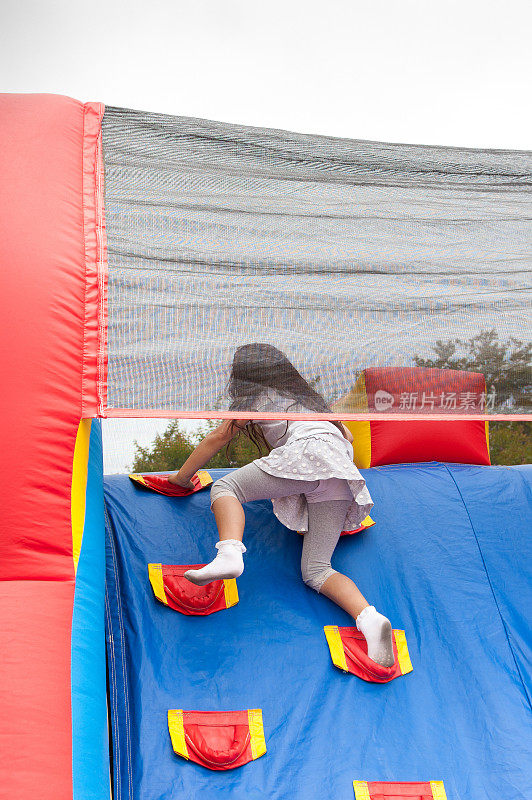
(377, 631)
(227, 564)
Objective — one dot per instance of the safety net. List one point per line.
(391, 278)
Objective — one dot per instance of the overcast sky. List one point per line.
(450, 72)
(454, 72)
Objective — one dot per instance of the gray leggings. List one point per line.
(328, 502)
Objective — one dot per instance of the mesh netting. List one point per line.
(345, 255)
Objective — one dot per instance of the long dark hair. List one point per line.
(257, 367)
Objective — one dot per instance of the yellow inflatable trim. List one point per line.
(334, 640)
(155, 573)
(361, 790)
(403, 656)
(438, 791)
(230, 592)
(177, 732)
(204, 477)
(256, 733)
(78, 489)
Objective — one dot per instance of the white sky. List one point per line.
(450, 72)
(454, 72)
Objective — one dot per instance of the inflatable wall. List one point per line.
(449, 564)
(53, 736)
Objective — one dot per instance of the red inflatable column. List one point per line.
(49, 301)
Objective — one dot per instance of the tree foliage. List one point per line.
(172, 448)
(507, 366)
(511, 442)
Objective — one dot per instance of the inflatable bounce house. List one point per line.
(138, 251)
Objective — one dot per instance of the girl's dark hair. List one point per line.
(257, 367)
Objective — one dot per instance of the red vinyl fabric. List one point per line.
(456, 442)
(432, 390)
(357, 661)
(161, 484)
(424, 389)
(400, 790)
(409, 390)
(48, 147)
(218, 740)
(187, 598)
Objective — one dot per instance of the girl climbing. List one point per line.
(308, 474)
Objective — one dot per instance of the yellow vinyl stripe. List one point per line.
(230, 592)
(368, 522)
(438, 791)
(487, 428)
(361, 790)
(361, 429)
(177, 732)
(204, 477)
(405, 665)
(256, 733)
(138, 479)
(79, 487)
(334, 640)
(155, 572)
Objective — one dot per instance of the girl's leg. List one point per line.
(227, 495)
(326, 520)
(242, 486)
(229, 516)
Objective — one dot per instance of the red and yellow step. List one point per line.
(397, 790)
(349, 652)
(175, 591)
(218, 740)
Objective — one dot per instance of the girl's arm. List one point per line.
(207, 448)
(347, 433)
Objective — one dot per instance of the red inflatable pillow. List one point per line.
(349, 652)
(398, 790)
(414, 390)
(218, 740)
(161, 484)
(172, 588)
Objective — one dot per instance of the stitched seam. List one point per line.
(114, 699)
(116, 733)
(122, 656)
(122, 660)
(491, 587)
(101, 277)
(123, 649)
(83, 233)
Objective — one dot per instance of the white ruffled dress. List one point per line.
(310, 451)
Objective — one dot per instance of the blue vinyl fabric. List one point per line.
(446, 561)
(90, 740)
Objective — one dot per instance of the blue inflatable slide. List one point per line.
(447, 561)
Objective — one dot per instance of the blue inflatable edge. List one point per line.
(90, 741)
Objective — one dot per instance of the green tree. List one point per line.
(507, 366)
(168, 451)
(172, 448)
(511, 442)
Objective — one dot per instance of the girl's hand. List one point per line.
(177, 481)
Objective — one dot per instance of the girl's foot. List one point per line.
(377, 631)
(227, 564)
